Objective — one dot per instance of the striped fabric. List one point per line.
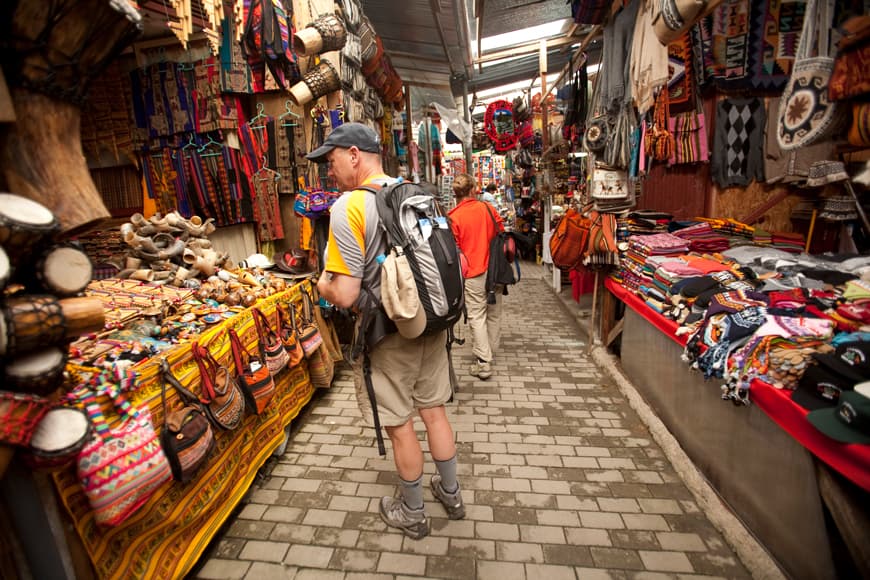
(690, 138)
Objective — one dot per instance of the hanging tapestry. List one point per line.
(750, 45)
(737, 151)
(681, 84)
(235, 74)
(212, 109)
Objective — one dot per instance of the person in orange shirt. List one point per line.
(474, 230)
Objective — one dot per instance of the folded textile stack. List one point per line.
(762, 237)
(788, 242)
(642, 222)
(702, 238)
(637, 272)
(737, 232)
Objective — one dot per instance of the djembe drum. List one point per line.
(325, 34)
(51, 52)
(29, 322)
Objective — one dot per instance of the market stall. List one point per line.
(166, 536)
(768, 351)
(160, 327)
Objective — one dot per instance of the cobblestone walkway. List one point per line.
(560, 478)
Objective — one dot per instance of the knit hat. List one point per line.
(399, 296)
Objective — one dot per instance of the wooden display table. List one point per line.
(166, 537)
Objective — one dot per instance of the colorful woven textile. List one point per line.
(681, 85)
(166, 536)
(751, 45)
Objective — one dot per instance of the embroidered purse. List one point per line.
(224, 402)
(187, 437)
(287, 332)
(308, 333)
(271, 347)
(121, 466)
(608, 183)
(254, 377)
(806, 113)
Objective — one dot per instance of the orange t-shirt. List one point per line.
(474, 230)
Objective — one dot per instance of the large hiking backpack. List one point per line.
(416, 228)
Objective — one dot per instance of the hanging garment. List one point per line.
(649, 60)
(267, 212)
(737, 156)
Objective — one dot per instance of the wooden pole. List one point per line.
(542, 63)
(810, 232)
(592, 314)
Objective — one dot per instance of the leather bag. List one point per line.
(187, 437)
(569, 240)
(223, 400)
(254, 377)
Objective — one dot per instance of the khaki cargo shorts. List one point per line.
(406, 375)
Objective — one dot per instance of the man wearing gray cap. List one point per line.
(409, 374)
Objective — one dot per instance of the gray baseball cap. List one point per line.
(346, 136)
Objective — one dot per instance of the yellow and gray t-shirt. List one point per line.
(355, 242)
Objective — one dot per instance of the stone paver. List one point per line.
(560, 477)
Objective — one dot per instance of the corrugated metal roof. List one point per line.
(429, 42)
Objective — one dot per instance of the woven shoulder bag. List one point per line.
(271, 347)
(122, 465)
(187, 437)
(287, 332)
(222, 397)
(254, 377)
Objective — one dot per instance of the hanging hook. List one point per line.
(288, 112)
(261, 114)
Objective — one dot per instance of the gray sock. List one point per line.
(447, 471)
(412, 492)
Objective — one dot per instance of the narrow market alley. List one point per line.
(560, 477)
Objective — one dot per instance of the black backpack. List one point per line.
(499, 271)
(408, 213)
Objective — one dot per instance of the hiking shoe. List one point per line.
(452, 502)
(481, 370)
(396, 514)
